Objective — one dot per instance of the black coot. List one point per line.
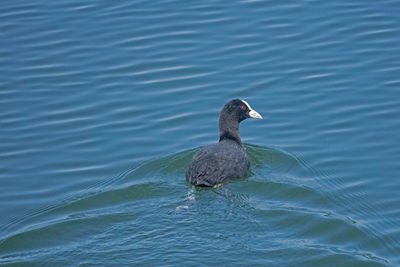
(227, 159)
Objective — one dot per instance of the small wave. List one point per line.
(280, 196)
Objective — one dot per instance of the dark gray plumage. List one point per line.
(227, 159)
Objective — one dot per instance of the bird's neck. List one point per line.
(229, 129)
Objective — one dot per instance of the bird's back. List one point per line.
(214, 164)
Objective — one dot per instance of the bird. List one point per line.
(214, 164)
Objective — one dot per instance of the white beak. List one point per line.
(254, 114)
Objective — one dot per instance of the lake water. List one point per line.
(102, 105)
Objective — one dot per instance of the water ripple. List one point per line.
(91, 89)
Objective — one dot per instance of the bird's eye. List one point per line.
(243, 107)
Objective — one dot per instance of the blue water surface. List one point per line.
(102, 105)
